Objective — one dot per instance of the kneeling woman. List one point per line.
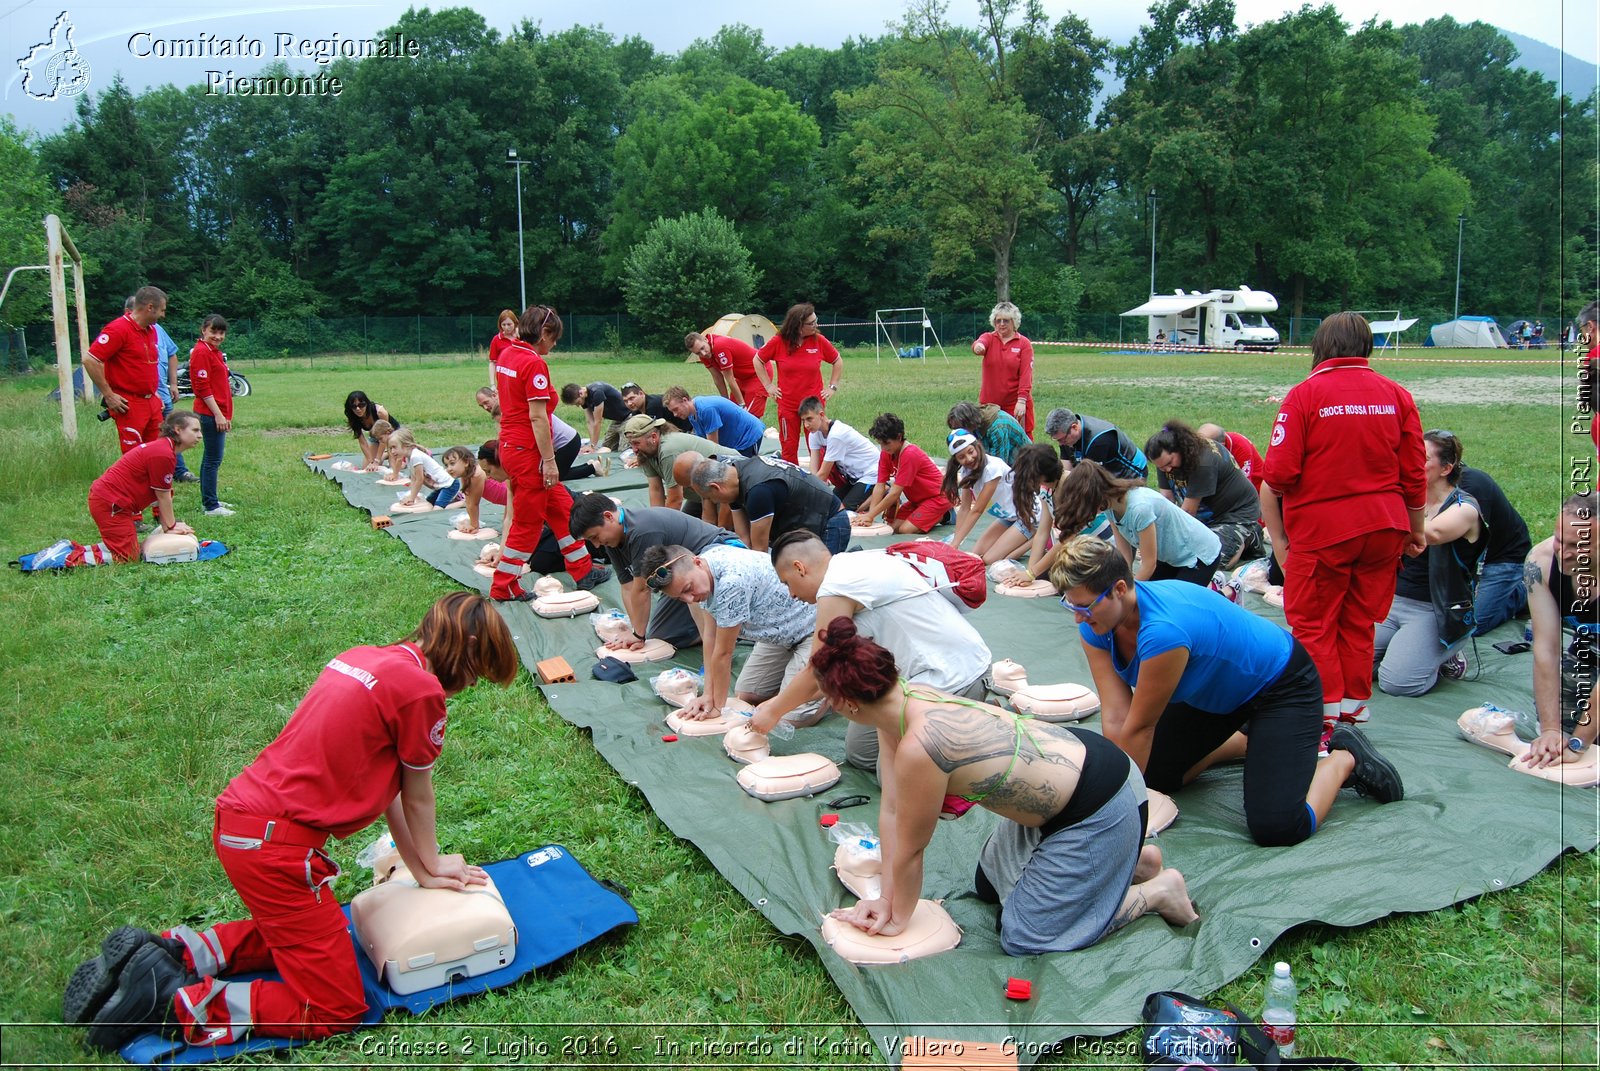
(1181, 670)
(137, 480)
(1067, 866)
(360, 745)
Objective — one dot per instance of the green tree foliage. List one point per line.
(685, 273)
(1505, 130)
(943, 131)
(943, 164)
(29, 198)
(745, 152)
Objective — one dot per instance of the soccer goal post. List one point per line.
(1387, 324)
(906, 333)
(61, 247)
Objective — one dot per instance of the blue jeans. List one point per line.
(1502, 595)
(181, 469)
(836, 533)
(211, 461)
(446, 494)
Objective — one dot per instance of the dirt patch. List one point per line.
(422, 431)
(285, 433)
(1489, 390)
(1452, 390)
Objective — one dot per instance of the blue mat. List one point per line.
(558, 907)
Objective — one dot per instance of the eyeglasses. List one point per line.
(629, 388)
(1085, 611)
(1440, 433)
(810, 323)
(662, 575)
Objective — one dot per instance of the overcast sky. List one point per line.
(103, 28)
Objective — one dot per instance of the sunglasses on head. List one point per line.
(661, 576)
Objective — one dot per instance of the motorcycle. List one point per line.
(238, 386)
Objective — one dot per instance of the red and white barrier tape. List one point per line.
(1297, 351)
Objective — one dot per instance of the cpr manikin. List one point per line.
(1493, 728)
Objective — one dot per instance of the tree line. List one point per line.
(940, 164)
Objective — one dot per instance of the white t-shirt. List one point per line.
(432, 471)
(561, 433)
(930, 640)
(1001, 504)
(848, 449)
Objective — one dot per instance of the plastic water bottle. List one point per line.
(1278, 1017)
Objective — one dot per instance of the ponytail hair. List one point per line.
(175, 420)
(955, 480)
(1176, 437)
(464, 638)
(1451, 450)
(402, 439)
(1088, 489)
(540, 322)
(850, 666)
(1032, 467)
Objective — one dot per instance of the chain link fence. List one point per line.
(394, 341)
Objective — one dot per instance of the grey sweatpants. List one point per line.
(1063, 892)
(1407, 651)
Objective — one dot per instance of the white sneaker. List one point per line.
(220, 510)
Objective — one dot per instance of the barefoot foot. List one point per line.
(1168, 895)
(1149, 864)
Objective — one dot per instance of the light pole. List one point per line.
(1152, 199)
(1461, 226)
(522, 268)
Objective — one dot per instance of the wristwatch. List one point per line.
(1576, 746)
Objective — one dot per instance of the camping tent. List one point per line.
(747, 327)
(1474, 331)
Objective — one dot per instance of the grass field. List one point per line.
(137, 692)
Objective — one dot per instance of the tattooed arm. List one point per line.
(1551, 743)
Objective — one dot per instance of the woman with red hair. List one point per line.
(1067, 866)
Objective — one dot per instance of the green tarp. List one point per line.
(1468, 825)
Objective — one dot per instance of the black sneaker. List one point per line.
(1454, 667)
(594, 578)
(1374, 776)
(92, 984)
(143, 998)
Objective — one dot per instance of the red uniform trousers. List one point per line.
(119, 530)
(295, 928)
(140, 424)
(789, 431)
(1333, 597)
(533, 505)
(755, 397)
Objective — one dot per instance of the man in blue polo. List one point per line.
(167, 387)
(716, 418)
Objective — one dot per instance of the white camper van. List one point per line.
(1217, 319)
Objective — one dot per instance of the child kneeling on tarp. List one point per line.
(360, 745)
